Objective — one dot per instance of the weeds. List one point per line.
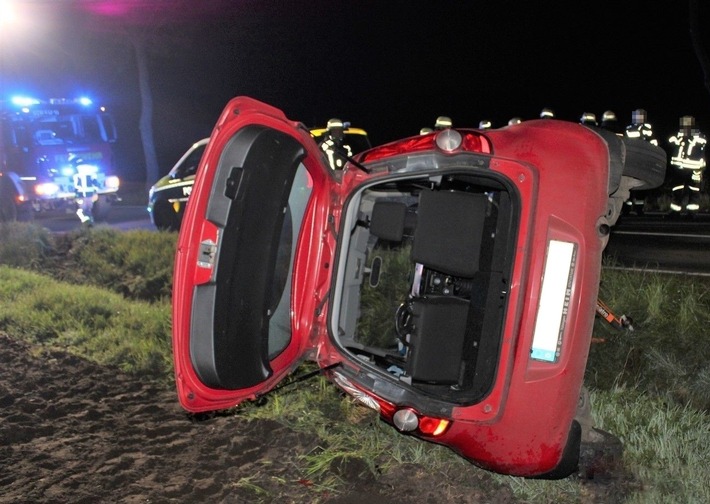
(24, 245)
(88, 321)
(650, 387)
(665, 445)
(136, 264)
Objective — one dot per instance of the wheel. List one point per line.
(101, 209)
(164, 217)
(645, 162)
(8, 208)
(634, 158)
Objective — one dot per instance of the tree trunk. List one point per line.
(696, 39)
(152, 170)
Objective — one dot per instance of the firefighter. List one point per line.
(85, 188)
(588, 119)
(639, 128)
(689, 160)
(610, 122)
(334, 144)
(442, 123)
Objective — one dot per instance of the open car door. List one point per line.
(247, 280)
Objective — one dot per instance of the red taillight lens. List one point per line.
(409, 420)
(433, 426)
(406, 420)
(409, 145)
(472, 142)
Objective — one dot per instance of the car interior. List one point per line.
(423, 289)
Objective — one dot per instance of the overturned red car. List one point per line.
(447, 280)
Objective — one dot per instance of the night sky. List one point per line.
(389, 67)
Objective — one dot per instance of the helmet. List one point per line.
(484, 124)
(515, 120)
(608, 116)
(588, 118)
(425, 131)
(547, 113)
(638, 116)
(442, 122)
(335, 124)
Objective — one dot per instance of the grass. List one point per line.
(136, 264)
(665, 444)
(375, 327)
(650, 387)
(88, 321)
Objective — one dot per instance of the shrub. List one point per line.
(137, 264)
(24, 245)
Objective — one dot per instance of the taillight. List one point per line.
(447, 140)
(46, 189)
(409, 420)
(430, 426)
(404, 419)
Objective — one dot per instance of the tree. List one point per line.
(696, 38)
(148, 27)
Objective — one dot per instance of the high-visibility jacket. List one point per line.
(643, 131)
(690, 151)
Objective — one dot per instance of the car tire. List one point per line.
(601, 457)
(164, 217)
(101, 209)
(645, 162)
(9, 210)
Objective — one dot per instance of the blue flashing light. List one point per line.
(85, 101)
(24, 101)
(67, 171)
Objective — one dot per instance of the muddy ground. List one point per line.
(73, 431)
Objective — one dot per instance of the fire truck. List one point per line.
(56, 154)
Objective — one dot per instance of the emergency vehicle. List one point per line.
(55, 154)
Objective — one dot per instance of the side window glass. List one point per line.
(280, 323)
(192, 161)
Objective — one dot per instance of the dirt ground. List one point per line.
(73, 431)
(76, 432)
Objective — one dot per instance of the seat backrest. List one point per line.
(387, 220)
(437, 343)
(449, 231)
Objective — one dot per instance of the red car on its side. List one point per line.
(447, 280)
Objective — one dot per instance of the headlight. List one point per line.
(112, 182)
(67, 171)
(46, 189)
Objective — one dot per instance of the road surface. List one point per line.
(669, 243)
(121, 217)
